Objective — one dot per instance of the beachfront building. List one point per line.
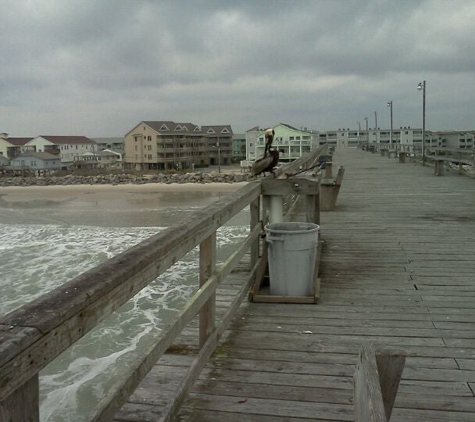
(4, 162)
(452, 139)
(11, 147)
(341, 138)
(65, 147)
(291, 142)
(37, 161)
(219, 141)
(238, 147)
(112, 144)
(166, 145)
(105, 159)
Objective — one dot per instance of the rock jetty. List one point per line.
(117, 179)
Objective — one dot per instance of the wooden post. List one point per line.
(23, 404)
(439, 167)
(207, 267)
(313, 204)
(376, 382)
(328, 170)
(254, 221)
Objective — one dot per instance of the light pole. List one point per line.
(375, 129)
(367, 133)
(359, 133)
(422, 86)
(219, 156)
(390, 105)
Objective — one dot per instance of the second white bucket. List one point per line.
(292, 255)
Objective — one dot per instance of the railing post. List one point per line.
(254, 221)
(207, 267)
(328, 170)
(313, 204)
(439, 167)
(23, 404)
(376, 381)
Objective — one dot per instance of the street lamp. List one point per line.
(390, 105)
(367, 133)
(219, 156)
(375, 129)
(422, 87)
(359, 134)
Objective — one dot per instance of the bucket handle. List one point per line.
(271, 239)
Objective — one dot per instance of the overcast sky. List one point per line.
(99, 67)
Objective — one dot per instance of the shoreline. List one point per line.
(28, 193)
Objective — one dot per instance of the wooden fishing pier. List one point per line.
(396, 272)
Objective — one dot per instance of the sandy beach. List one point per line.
(89, 193)
(108, 205)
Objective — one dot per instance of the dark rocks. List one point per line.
(116, 179)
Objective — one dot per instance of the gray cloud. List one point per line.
(98, 67)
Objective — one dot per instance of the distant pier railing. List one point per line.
(34, 335)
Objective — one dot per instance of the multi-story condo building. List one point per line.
(66, 147)
(452, 139)
(219, 144)
(112, 144)
(162, 145)
(291, 142)
(341, 138)
(405, 137)
(239, 147)
(11, 147)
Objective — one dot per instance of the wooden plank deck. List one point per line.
(397, 270)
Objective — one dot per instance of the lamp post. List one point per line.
(390, 105)
(375, 129)
(359, 133)
(367, 133)
(219, 156)
(422, 87)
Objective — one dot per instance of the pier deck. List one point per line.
(397, 270)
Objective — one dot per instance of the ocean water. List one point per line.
(43, 245)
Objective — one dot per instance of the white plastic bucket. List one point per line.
(292, 254)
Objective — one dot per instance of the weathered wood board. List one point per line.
(397, 270)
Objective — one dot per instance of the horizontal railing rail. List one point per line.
(34, 335)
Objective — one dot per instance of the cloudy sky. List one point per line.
(99, 67)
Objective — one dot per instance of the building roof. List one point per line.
(169, 127)
(67, 140)
(217, 130)
(17, 141)
(294, 128)
(109, 140)
(41, 155)
(255, 129)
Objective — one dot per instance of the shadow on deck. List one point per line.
(397, 271)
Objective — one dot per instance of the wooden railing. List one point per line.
(376, 381)
(465, 156)
(35, 334)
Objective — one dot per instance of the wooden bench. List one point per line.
(376, 381)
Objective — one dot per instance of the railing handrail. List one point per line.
(86, 298)
(36, 333)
